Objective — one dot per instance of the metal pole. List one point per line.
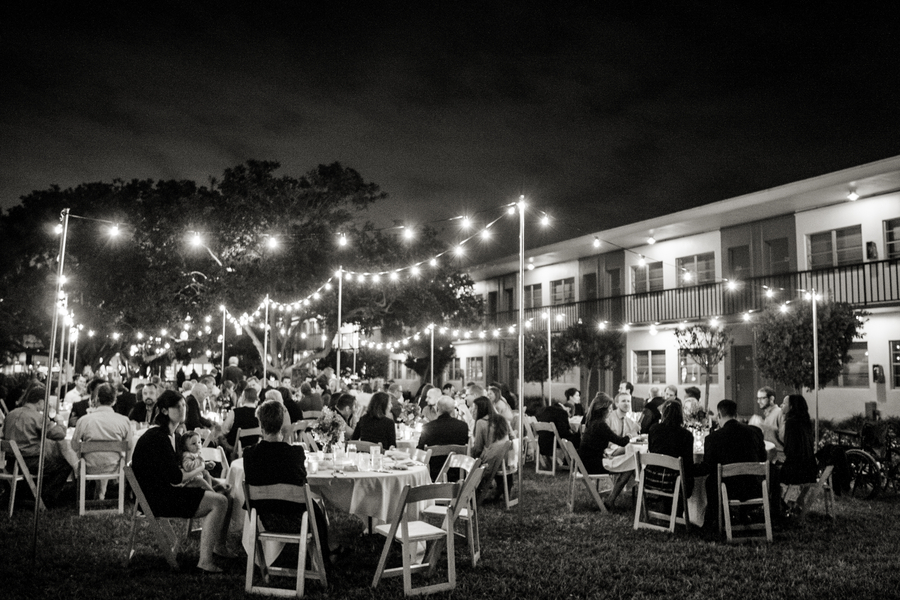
(75, 357)
(266, 341)
(521, 325)
(224, 313)
(340, 275)
(63, 343)
(46, 417)
(549, 365)
(432, 353)
(815, 326)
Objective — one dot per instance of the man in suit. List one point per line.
(732, 442)
(637, 403)
(559, 416)
(443, 430)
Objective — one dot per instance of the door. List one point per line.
(744, 380)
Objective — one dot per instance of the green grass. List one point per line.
(537, 550)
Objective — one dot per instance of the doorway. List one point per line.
(744, 380)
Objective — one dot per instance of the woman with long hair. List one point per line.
(490, 430)
(799, 449)
(157, 470)
(501, 406)
(375, 425)
(669, 437)
(597, 435)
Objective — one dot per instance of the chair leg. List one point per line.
(133, 531)
(121, 492)
(382, 562)
(82, 485)
(766, 511)
(251, 557)
(639, 505)
(301, 555)
(726, 515)
(673, 515)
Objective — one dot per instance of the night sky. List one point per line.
(600, 114)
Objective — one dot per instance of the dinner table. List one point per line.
(367, 493)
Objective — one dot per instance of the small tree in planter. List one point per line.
(591, 348)
(707, 345)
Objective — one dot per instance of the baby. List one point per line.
(191, 459)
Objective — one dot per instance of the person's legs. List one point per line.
(622, 479)
(215, 509)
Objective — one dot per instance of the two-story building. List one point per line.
(838, 233)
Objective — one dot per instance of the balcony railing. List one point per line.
(868, 284)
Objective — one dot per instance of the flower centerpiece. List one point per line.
(698, 422)
(409, 413)
(328, 429)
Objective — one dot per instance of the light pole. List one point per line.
(266, 342)
(815, 327)
(431, 327)
(521, 332)
(340, 276)
(224, 313)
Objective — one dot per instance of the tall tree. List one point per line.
(706, 345)
(536, 359)
(590, 348)
(784, 341)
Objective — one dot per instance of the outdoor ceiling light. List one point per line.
(852, 196)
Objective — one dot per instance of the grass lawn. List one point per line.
(537, 550)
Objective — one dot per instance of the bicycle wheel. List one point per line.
(865, 476)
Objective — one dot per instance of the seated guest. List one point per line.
(732, 442)
(375, 426)
(157, 470)
(102, 424)
(273, 461)
(650, 415)
(491, 430)
(195, 399)
(501, 406)
(598, 438)
(125, 400)
(559, 416)
(799, 451)
(77, 393)
(242, 417)
(310, 400)
(23, 426)
(618, 419)
(145, 411)
(80, 408)
(430, 412)
(345, 406)
(443, 430)
(669, 437)
(573, 402)
(295, 413)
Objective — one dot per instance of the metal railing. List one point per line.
(869, 284)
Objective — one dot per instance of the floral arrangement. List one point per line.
(695, 417)
(409, 413)
(328, 429)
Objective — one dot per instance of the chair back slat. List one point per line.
(277, 491)
(119, 446)
(745, 468)
(432, 491)
(466, 492)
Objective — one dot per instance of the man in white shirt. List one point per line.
(103, 424)
(772, 421)
(78, 392)
(619, 421)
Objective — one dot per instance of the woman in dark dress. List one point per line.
(375, 426)
(156, 468)
(799, 448)
(669, 437)
(597, 435)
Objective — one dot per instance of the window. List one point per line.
(690, 373)
(509, 299)
(533, 295)
(856, 372)
(562, 291)
(836, 247)
(398, 370)
(454, 369)
(475, 368)
(892, 238)
(588, 286)
(650, 366)
(739, 262)
(614, 282)
(648, 278)
(778, 256)
(492, 303)
(895, 364)
(697, 269)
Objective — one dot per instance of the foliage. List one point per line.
(328, 428)
(784, 342)
(536, 359)
(707, 346)
(418, 358)
(594, 349)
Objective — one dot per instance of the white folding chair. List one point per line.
(410, 533)
(726, 504)
(166, 538)
(659, 484)
(307, 539)
(120, 447)
(422, 456)
(547, 429)
(469, 513)
(592, 482)
(244, 433)
(19, 473)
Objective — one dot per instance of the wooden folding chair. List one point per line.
(121, 447)
(678, 491)
(244, 433)
(510, 466)
(307, 539)
(809, 494)
(410, 533)
(300, 428)
(529, 442)
(726, 505)
(422, 456)
(578, 472)
(469, 513)
(166, 538)
(19, 473)
(548, 429)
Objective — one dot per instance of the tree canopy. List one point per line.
(594, 349)
(784, 342)
(184, 249)
(706, 345)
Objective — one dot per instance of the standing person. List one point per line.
(375, 425)
(799, 450)
(103, 424)
(772, 420)
(157, 469)
(23, 425)
(233, 372)
(732, 442)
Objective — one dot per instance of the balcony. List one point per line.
(863, 285)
